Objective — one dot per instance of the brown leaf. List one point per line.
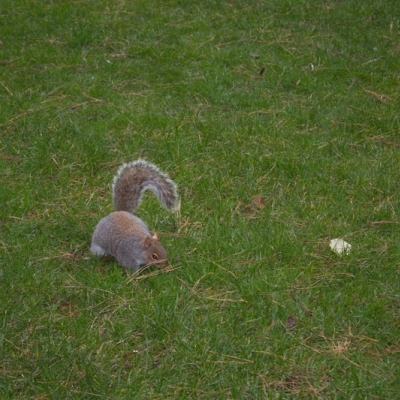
(68, 308)
(259, 201)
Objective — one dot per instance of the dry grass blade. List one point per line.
(139, 275)
(384, 98)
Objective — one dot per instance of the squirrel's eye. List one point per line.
(154, 256)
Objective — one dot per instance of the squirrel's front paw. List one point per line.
(97, 250)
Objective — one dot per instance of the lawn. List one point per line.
(279, 121)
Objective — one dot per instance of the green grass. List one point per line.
(294, 101)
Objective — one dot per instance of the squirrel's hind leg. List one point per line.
(97, 250)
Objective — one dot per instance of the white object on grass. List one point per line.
(339, 246)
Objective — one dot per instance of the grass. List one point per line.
(279, 122)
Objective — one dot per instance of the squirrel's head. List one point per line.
(154, 251)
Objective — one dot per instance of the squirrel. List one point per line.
(124, 235)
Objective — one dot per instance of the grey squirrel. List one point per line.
(122, 234)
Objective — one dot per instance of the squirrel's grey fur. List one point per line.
(124, 235)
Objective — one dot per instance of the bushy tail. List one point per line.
(133, 178)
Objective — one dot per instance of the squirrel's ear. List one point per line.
(156, 237)
(147, 242)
